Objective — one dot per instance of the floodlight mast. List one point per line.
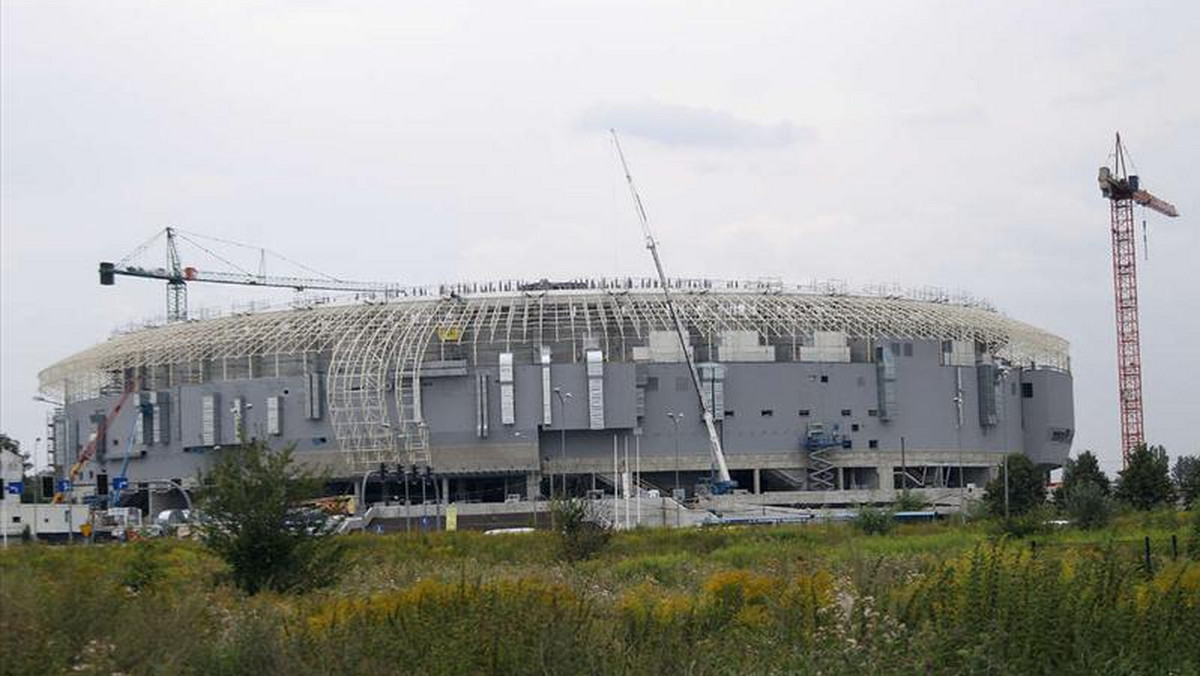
(724, 481)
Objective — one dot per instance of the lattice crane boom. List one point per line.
(178, 276)
(1123, 191)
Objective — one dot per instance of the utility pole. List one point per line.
(1006, 486)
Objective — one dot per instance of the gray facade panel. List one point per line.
(767, 406)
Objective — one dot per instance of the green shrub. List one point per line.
(1088, 505)
(255, 524)
(1194, 538)
(144, 567)
(1023, 525)
(910, 502)
(874, 521)
(581, 534)
(665, 569)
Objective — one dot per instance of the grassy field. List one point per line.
(938, 598)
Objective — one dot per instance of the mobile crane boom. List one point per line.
(724, 482)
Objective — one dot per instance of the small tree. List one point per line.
(1026, 488)
(251, 501)
(1088, 505)
(1080, 470)
(1186, 474)
(1146, 483)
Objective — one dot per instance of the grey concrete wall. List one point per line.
(763, 426)
(1049, 415)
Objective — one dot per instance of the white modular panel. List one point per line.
(826, 354)
(237, 409)
(547, 391)
(312, 396)
(664, 347)
(210, 420)
(160, 417)
(508, 414)
(596, 403)
(595, 373)
(829, 338)
(274, 423)
(482, 419)
(160, 430)
(960, 353)
(712, 388)
(595, 364)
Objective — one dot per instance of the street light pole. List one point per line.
(1004, 400)
(407, 503)
(675, 418)
(562, 443)
(958, 407)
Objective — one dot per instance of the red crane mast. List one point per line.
(1123, 191)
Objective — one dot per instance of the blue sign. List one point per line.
(63, 485)
(120, 483)
(15, 487)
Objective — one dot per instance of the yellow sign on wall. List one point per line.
(452, 517)
(449, 333)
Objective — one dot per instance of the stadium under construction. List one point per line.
(507, 391)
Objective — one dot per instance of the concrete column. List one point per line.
(445, 490)
(533, 485)
(841, 479)
(757, 481)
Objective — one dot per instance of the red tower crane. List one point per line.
(1123, 191)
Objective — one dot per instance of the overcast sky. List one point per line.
(944, 143)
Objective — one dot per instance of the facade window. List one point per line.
(896, 349)
(1027, 390)
(846, 412)
(872, 413)
(908, 349)
(847, 443)
(728, 414)
(652, 384)
(804, 413)
(854, 427)
(766, 413)
(824, 379)
(873, 443)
